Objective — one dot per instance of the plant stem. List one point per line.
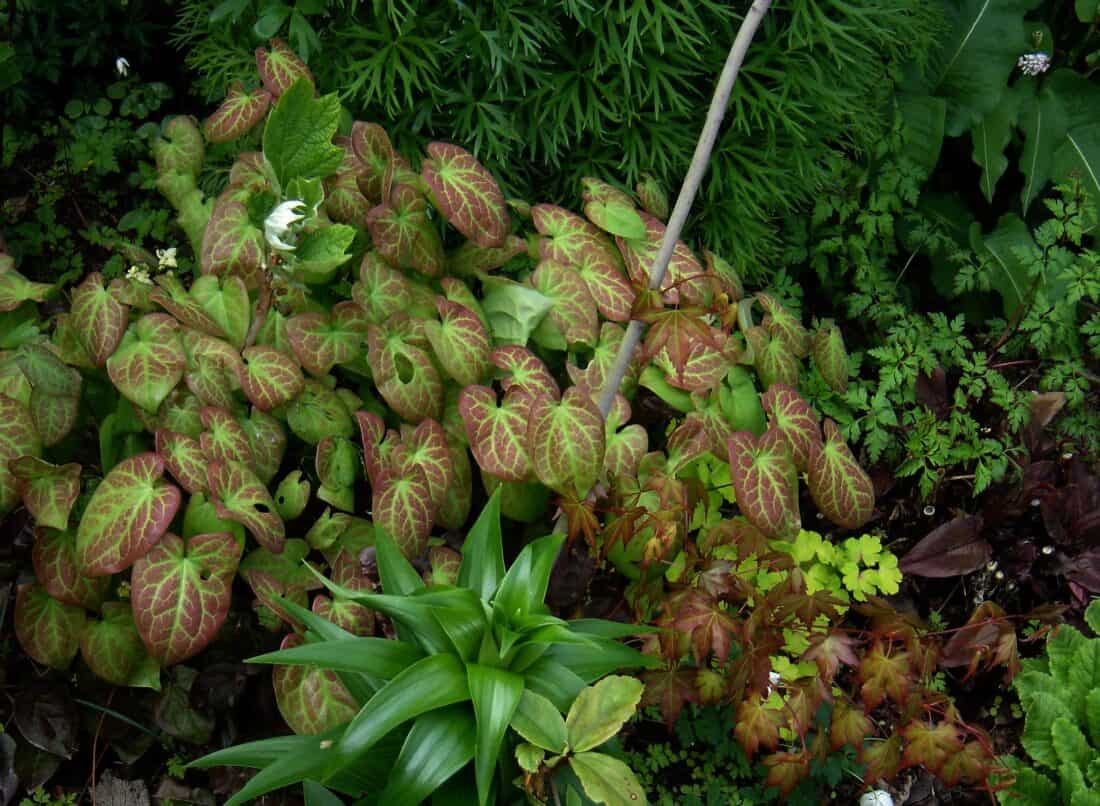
(694, 178)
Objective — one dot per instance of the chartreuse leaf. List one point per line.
(126, 516)
(607, 780)
(322, 251)
(495, 694)
(482, 566)
(298, 136)
(1070, 743)
(440, 744)
(566, 441)
(181, 593)
(1042, 712)
(113, 650)
(514, 310)
(600, 711)
(48, 491)
(538, 721)
(18, 437)
(47, 629)
(15, 289)
(225, 300)
(841, 488)
(466, 194)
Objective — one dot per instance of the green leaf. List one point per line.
(128, 513)
(566, 442)
(990, 137)
(269, 377)
(607, 780)
(601, 710)
(47, 629)
(495, 694)
(616, 217)
(317, 795)
(237, 115)
(297, 139)
(240, 496)
(54, 557)
(523, 589)
(598, 658)
(1043, 121)
(225, 301)
(1092, 716)
(466, 194)
(48, 491)
(924, 117)
(514, 310)
(538, 721)
(483, 552)
(1045, 708)
(434, 682)
(1080, 156)
(380, 658)
(439, 745)
(841, 488)
(149, 362)
(318, 412)
(321, 252)
(396, 573)
(1070, 743)
(556, 682)
(113, 650)
(529, 757)
(1084, 671)
(311, 700)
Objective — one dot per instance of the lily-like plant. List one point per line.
(470, 663)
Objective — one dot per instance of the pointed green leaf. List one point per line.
(129, 511)
(440, 744)
(56, 569)
(539, 722)
(495, 694)
(765, 482)
(566, 441)
(601, 710)
(382, 658)
(1043, 122)
(113, 650)
(149, 362)
(48, 491)
(321, 252)
(298, 135)
(607, 780)
(839, 486)
(98, 319)
(267, 440)
(523, 589)
(240, 496)
(48, 630)
(225, 300)
(396, 573)
(483, 552)
(830, 357)
(319, 412)
(381, 290)
(990, 137)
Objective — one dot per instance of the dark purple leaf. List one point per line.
(955, 548)
(47, 718)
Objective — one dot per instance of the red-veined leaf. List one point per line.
(425, 447)
(460, 342)
(470, 258)
(497, 435)
(224, 440)
(381, 290)
(883, 673)
(280, 67)
(830, 357)
(404, 375)
(311, 700)
(930, 745)
(269, 377)
(783, 326)
(232, 244)
(573, 312)
(402, 505)
(56, 569)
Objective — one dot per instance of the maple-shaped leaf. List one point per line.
(466, 194)
(238, 113)
(471, 259)
(786, 770)
(988, 638)
(280, 67)
(881, 758)
(756, 725)
(404, 235)
(372, 146)
(684, 270)
(765, 481)
(15, 289)
(269, 377)
(225, 300)
(930, 745)
(848, 725)
(425, 447)
(98, 318)
(321, 341)
(971, 763)
(232, 244)
(223, 440)
(402, 506)
(829, 650)
(181, 592)
(790, 414)
(830, 357)
(841, 488)
(460, 342)
(318, 412)
(149, 362)
(772, 358)
(54, 558)
(114, 652)
(267, 442)
(670, 689)
(240, 496)
(710, 625)
(127, 514)
(48, 630)
(574, 312)
(213, 369)
(497, 434)
(566, 441)
(311, 700)
(884, 672)
(783, 326)
(48, 491)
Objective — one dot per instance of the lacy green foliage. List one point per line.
(1060, 693)
(548, 94)
(854, 569)
(475, 665)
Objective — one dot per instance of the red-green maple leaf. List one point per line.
(232, 244)
(566, 441)
(311, 700)
(48, 630)
(756, 725)
(881, 758)
(149, 362)
(841, 488)
(711, 626)
(883, 673)
(238, 114)
(791, 416)
(241, 497)
(786, 770)
(765, 482)
(181, 593)
(48, 491)
(930, 745)
(830, 357)
(98, 318)
(830, 650)
(848, 725)
(280, 67)
(404, 235)
(497, 435)
(269, 377)
(670, 689)
(678, 332)
(971, 763)
(466, 194)
(55, 567)
(129, 511)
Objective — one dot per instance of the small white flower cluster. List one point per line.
(1033, 64)
(139, 274)
(277, 226)
(166, 258)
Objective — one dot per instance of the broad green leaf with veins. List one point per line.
(298, 136)
(149, 362)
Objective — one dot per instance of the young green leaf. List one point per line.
(601, 710)
(299, 131)
(495, 693)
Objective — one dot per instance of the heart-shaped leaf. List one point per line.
(225, 300)
(149, 362)
(830, 357)
(466, 194)
(382, 290)
(213, 369)
(524, 372)
(48, 491)
(311, 700)
(269, 377)
(181, 593)
(318, 412)
(280, 67)
(773, 361)
(232, 244)
(684, 276)
(574, 311)
(425, 447)
(267, 440)
(238, 114)
(223, 440)
(766, 482)
(55, 567)
(783, 326)
(497, 435)
(320, 341)
(241, 497)
(171, 295)
(470, 259)
(402, 506)
(615, 215)
(951, 549)
(404, 375)
(181, 149)
(15, 289)
(372, 146)
(184, 458)
(403, 234)
(792, 417)
(114, 652)
(460, 342)
(48, 630)
(98, 318)
(566, 441)
(841, 488)
(126, 516)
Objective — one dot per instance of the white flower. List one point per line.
(122, 67)
(139, 274)
(280, 220)
(877, 797)
(166, 258)
(1033, 64)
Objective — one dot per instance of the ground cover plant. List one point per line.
(823, 531)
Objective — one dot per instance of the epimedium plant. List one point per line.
(474, 663)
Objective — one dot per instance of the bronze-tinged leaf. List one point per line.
(881, 758)
(670, 689)
(231, 243)
(48, 630)
(404, 235)
(223, 440)
(267, 440)
(458, 498)
(98, 318)
(402, 505)
(54, 558)
(460, 342)
(470, 259)
(404, 375)
(841, 488)
(772, 358)
(466, 194)
(425, 447)
(848, 725)
(684, 279)
(766, 482)
(15, 289)
(269, 377)
(149, 362)
(311, 700)
(280, 67)
(114, 652)
(884, 672)
(497, 435)
(830, 357)
(786, 770)
(213, 369)
(371, 145)
(652, 196)
(756, 726)
(238, 113)
(129, 511)
(783, 326)
(951, 549)
(241, 497)
(181, 593)
(790, 415)
(48, 491)
(930, 745)
(174, 298)
(566, 442)
(524, 371)
(321, 341)
(574, 311)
